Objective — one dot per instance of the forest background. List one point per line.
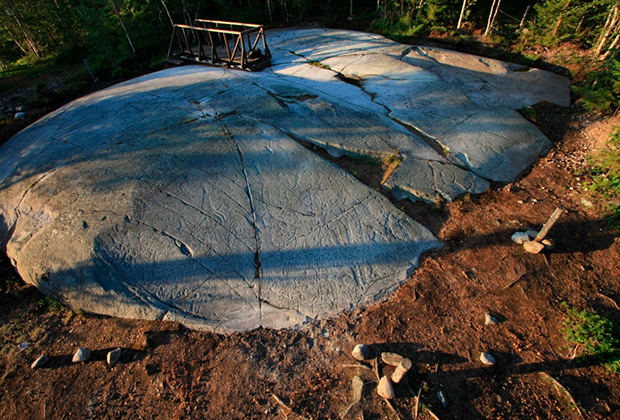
(119, 39)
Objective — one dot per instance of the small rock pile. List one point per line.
(82, 355)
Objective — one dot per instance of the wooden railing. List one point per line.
(231, 44)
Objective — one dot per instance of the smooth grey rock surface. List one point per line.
(185, 195)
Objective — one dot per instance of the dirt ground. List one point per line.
(436, 319)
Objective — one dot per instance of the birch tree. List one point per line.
(492, 15)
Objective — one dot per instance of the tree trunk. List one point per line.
(613, 45)
(527, 11)
(559, 23)
(463, 8)
(269, 10)
(123, 26)
(167, 12)
(492, 15)
(612, 21)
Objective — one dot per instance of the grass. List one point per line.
(318, 64)
(597, 335)
(605, 171)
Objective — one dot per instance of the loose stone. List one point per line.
(533, 247)
(531, 233)
(391, 359)
(490, 319)
(548, 243)
(81, 355)
(385, 388)
(357, 384)
(487, 359)
(113, 356)
(441, 396)
(519, 237)
(41, 360)
(20, 115)
(401, 370)
(361, 352)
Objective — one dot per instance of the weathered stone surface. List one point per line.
(496, 144)
(385, 388)
(489, 82)
(184, 195)
(81, 355)
(432, 181)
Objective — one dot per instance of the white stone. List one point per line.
(489, 319)
(41, 360)
(520, 237)
(487, 359)
(113, 356)
(81, 355)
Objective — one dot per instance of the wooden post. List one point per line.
(527, 11)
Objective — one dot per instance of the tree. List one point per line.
(492, 16)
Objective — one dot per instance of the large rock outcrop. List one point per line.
(185, 195)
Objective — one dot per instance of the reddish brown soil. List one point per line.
(436, 319)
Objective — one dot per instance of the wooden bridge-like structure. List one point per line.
(220, 43)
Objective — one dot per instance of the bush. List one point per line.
(599, 336)
(605, 173)
(601, 91)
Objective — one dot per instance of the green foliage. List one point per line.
(49, 304)
(601, 91)
(401, 29)
(598, 335)
(580, 20)
(605, 173)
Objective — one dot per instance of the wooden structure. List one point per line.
(220, 43)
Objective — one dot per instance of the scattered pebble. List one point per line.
(487, 359)
(490, 319)
(23, 346)
(361, 352)
(519, 237)
(441, 396)
(41, 360)
(81, 355)
(391, 359)
(113, 356)
(385, 388)
(533, 247)
(548, 243)
(401, 370)
(357, 384)
(20, 115)
(21, 108)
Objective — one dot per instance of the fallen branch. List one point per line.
(389, 404)
(421, 404)
(607, 298)
(417, 400)
(286, 407)
(558, 386)
(357, 365)
(512, 283)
